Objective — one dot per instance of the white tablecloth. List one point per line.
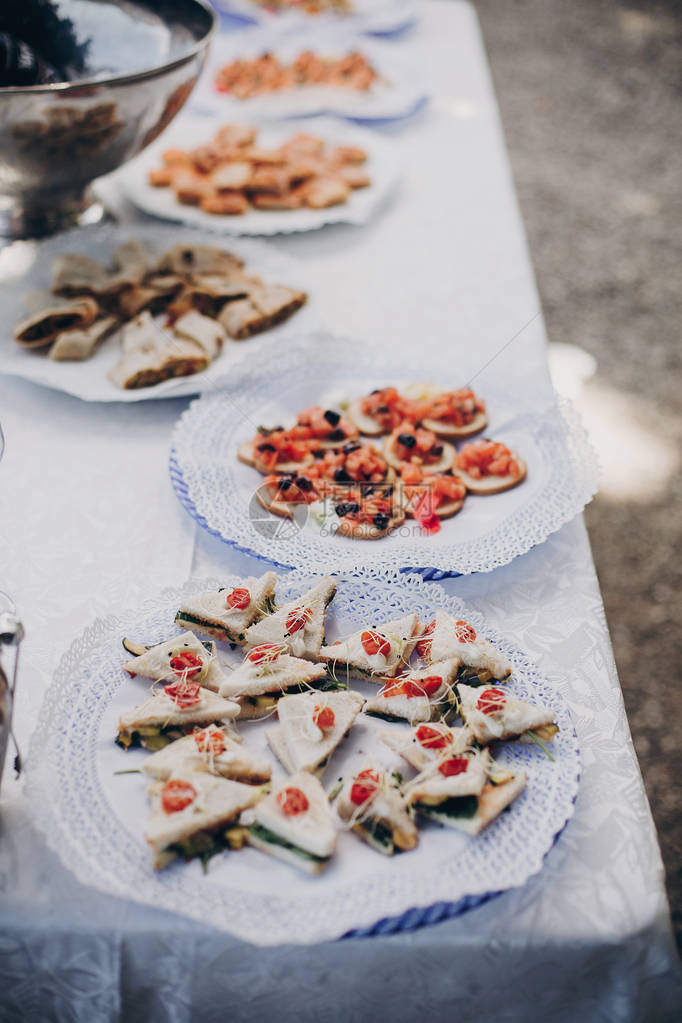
(90, 525)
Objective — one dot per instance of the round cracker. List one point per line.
(478, 423)
(491, 484)
(364, 423)
(445, 462)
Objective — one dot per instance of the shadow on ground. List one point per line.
(589, 93)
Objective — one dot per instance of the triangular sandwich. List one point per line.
(372, 804)
(311, 726)
(493, 714)
(480, 659)
(213, 749)
(298, 625)
(426, 694)
(182, 658)
(428, 742)
(192, 813)
(465, 791)
(227, 613)
(295, 824)
(265, 675)
(377, 653)
(171, 714)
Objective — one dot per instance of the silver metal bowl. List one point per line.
(146, 56)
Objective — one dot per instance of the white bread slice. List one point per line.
(218, 803)
(385, 812)
(491, 802)
(492, 484)
(401, 634)
(202, 751)
(304, 746)
(305, 642)
(419, 755)
(160, 711)
(311, 831)
(257, 687)
(419, 707)
(480, 654)
(431, 787)
(516, 717)
(155, 662)
(208, 613)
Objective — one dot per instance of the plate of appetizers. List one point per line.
(378, 17)
(346, 462)
(115, 313)
(242, 178)
(246, 750)
(272, 75)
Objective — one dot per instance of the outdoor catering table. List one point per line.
(90, 526)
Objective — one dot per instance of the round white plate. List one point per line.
(190, 130)
(95, 819)
(218, 490)
(380, 17)
(27, 266)
(400, 91)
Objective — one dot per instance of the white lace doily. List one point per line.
(218, 490)
(400, 91)
(95, 819)
(382, 17)
(27, 267)
(192, 129)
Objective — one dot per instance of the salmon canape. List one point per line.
(410, 445)
(454, 413)
(381, 411)
(489, 467)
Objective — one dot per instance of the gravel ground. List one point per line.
(589, 93)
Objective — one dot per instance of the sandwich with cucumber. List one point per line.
(295, 824)
(227, 613)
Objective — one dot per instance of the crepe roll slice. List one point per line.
(40, 329)
(298, 625)
(182, 658)
(227, 613)
(76, 274)
(171, 714)
(465, 791)
(196, 815)
(82, 343)
(264, 307)
(481, 661)
(311, 726)
(423, 695)
(147, 361)
(190, 259)
(295, 824)
(265, 675)
(494, 714)
(376, 653)
(207, 333)
(489, 467)
(215, 749)
(427, 743)
(372, 804)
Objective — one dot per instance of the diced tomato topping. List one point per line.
(322, 422)
(453, 766)
(264, 654)
(239, 598)
(431, 738)
(456, 407)
(374, 643)
(388, 408)
(292, 801)
(184, 694)
(465, 633)
(491, 700)
(210, 740)
(176, 795)
(324, 717)
(283, 446)
(365, 786)
(186, 664)
(298, 618)
(487, 458)
(423, 647)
